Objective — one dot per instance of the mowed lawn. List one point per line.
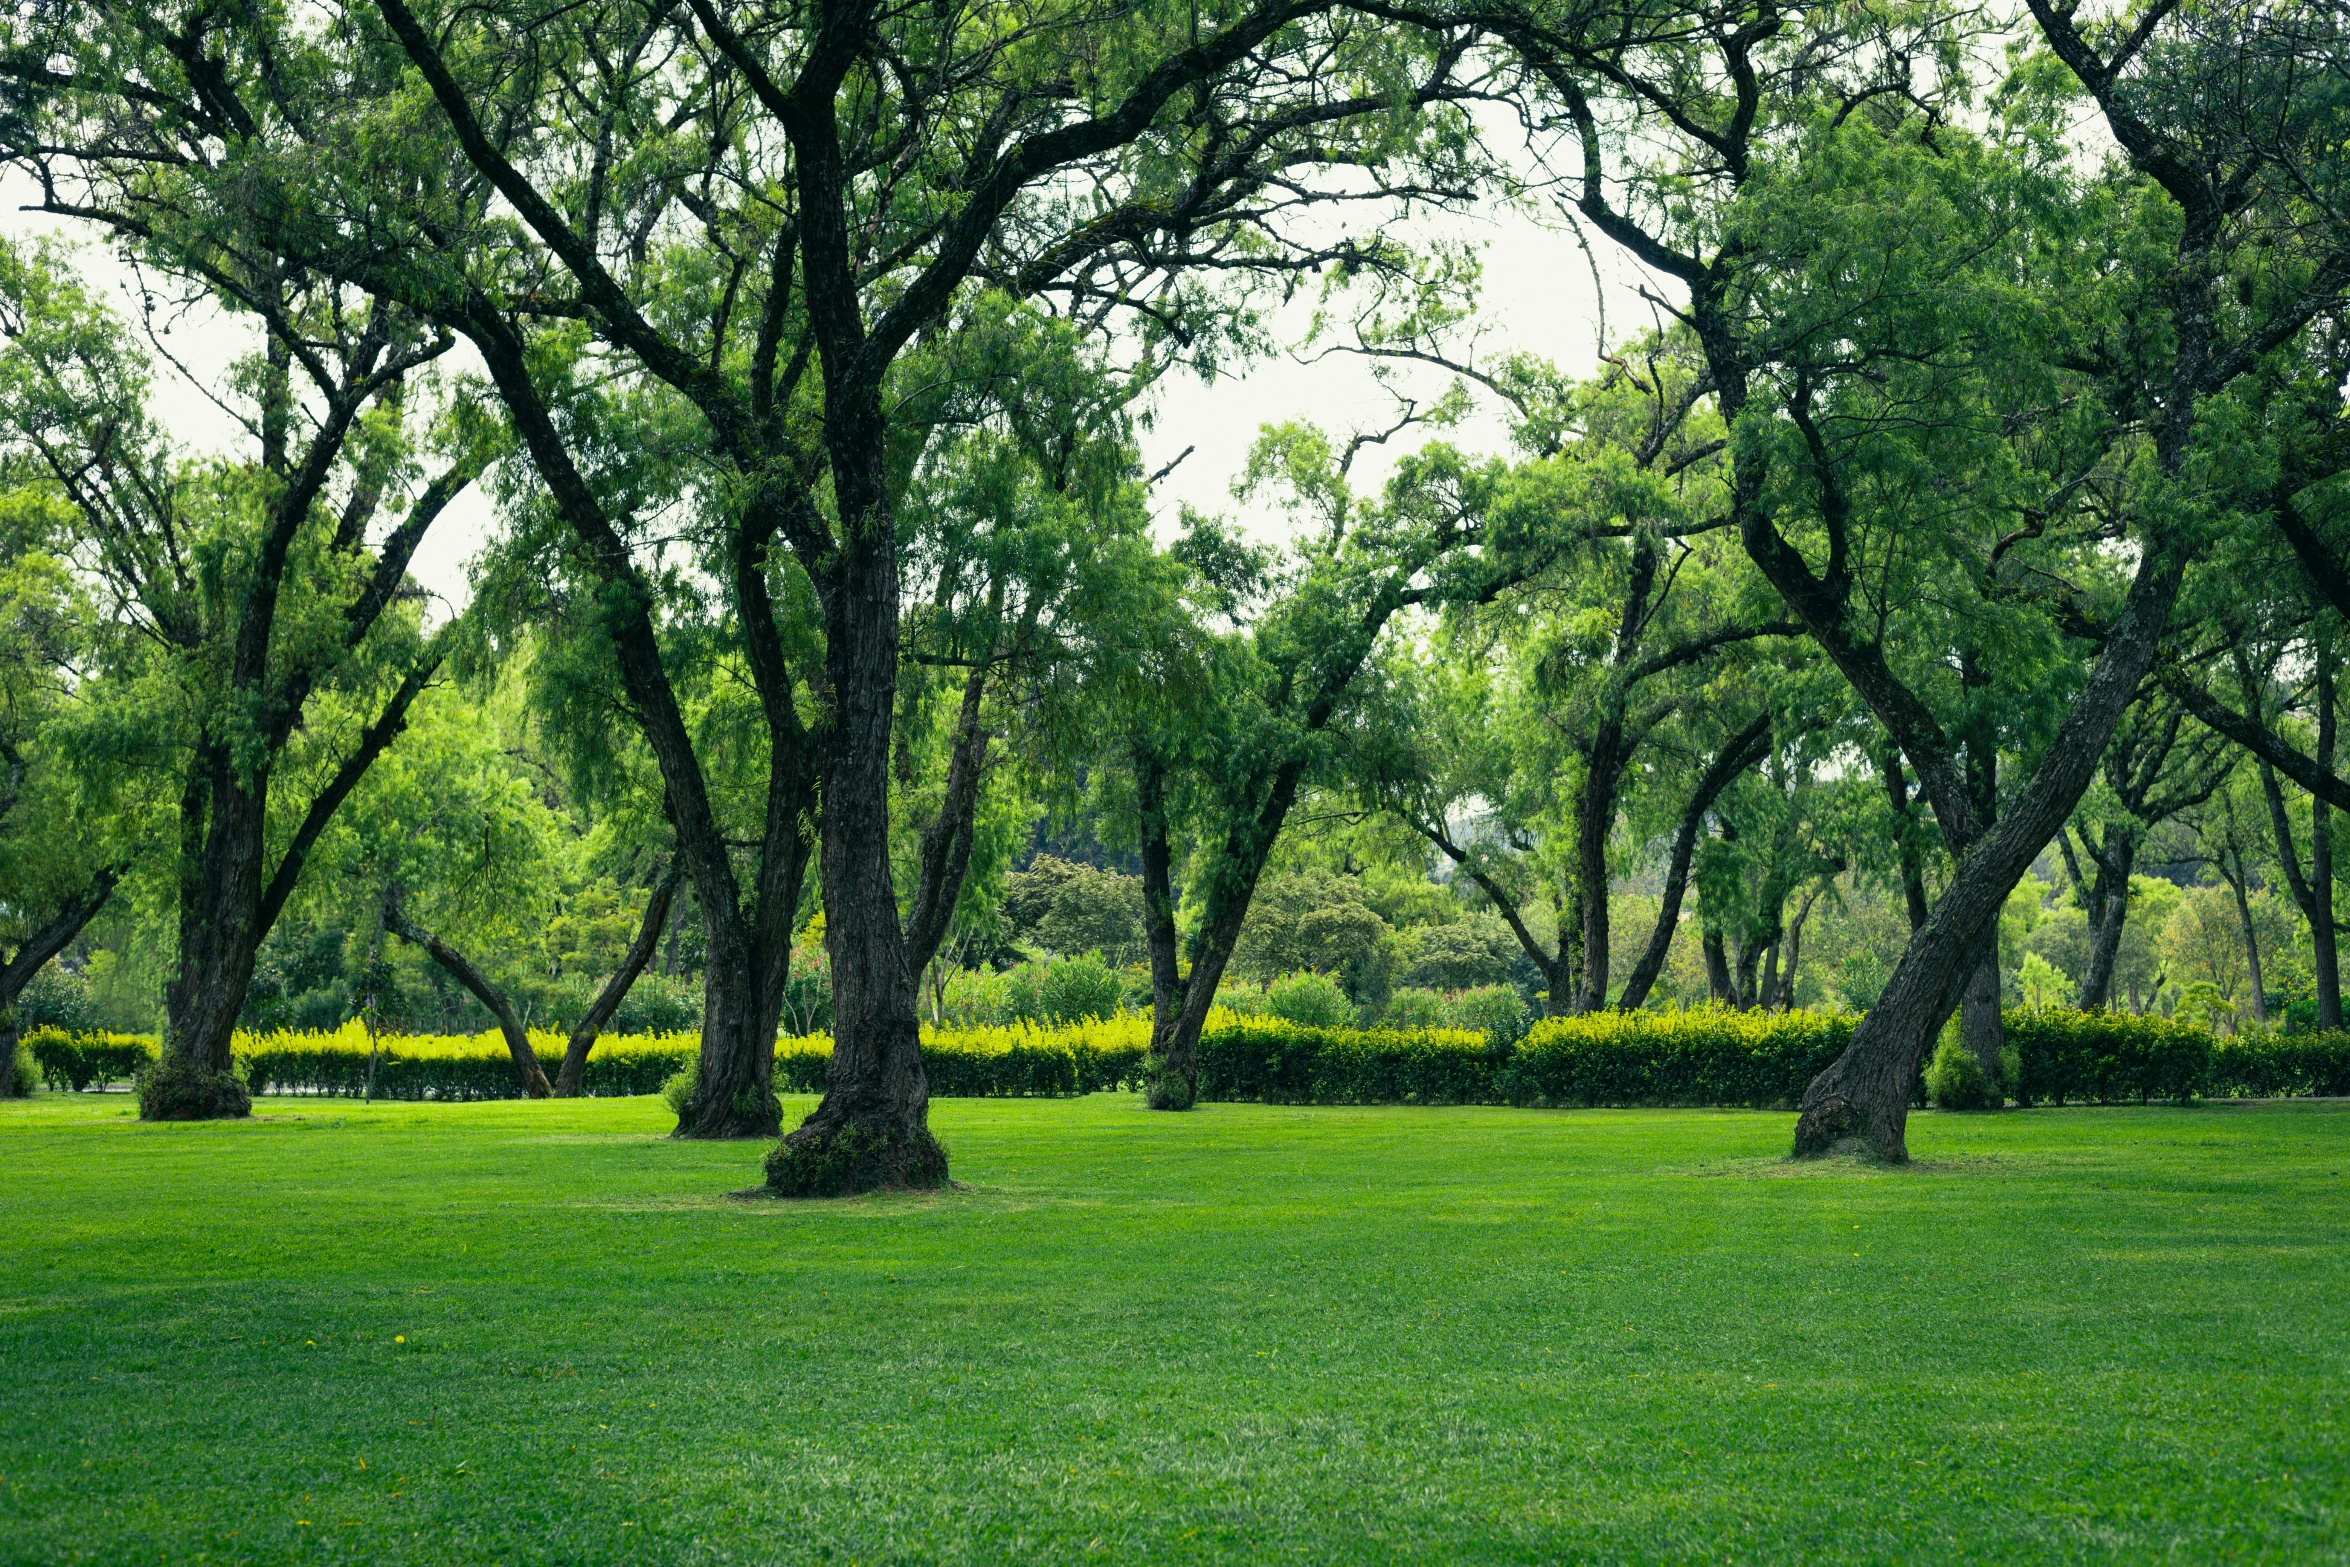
(1247, 1334)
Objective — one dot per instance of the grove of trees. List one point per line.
(1931, 606)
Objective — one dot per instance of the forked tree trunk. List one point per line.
(1980, 1025)
(616, 989)
(2109, 894)
(527, 1071)
(1737, 754)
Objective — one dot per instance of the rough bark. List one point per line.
(615, 991)
(527, 1071)
(1720, 988)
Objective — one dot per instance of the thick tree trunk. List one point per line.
(616, 989)
(872, 1130)
(527, 1071)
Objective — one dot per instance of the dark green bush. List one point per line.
(17, 1077)
(1956, 1080)
(2271, 1066)
(2065, 1056)
(1278, 1062)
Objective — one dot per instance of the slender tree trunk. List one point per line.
(1913, 861)
(1595, 818)
(45, 943)
(2106, 901)
(2239, 883)
(1720, 988)
(1980, 1023)
(526, 1062)
(1740, 752)
(615, 991)
(2321, 853)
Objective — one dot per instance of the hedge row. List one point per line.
(1702, 1056)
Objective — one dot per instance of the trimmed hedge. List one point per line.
(80, 1061)
(450, 1066)
(2276, 1066)
(2071, 1057)
(1011, 1061)
(1276, 1062)
(1701, 1056)
(1697, 1056)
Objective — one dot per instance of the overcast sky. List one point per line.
(1538, 295)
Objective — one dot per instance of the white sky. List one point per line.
(1538, 295)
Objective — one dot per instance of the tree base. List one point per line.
(748, 1114)
(176, 1089)
(1835, 1125)
(872, 1155)
(1169, 1089)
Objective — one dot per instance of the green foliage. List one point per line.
(18, 1075)
(1064, 990)
(2261, 1064)
(1955, 1080)
(174, 1088)
(1456, 955)
(1416, 1007)
(2065, 1056)
(1312, 999)
(1697, 1056)
(1496, 1011)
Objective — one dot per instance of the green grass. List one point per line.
(1247, 1334)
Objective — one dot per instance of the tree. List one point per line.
(259, 628)
(1826, 340)
(67, 832)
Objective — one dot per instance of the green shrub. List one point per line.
(17, 1077)
(1496, 1011)
(1064, 990)
(1415, 1006)
(88, 1060)
(2068, 1056)
(1316, 1000)
(679, 1087)
(1956, 1080)
(1694, 1056)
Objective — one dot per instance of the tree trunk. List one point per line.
(1979, 1023)
(872, 1130)
(1740, 752)
(1595, 818)
(2239, 883)
(39, 947)
(2314, 893)
(1865, 1092)
(1719, 987)
(615, 991)
(526, 1062)
(2109, 898)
